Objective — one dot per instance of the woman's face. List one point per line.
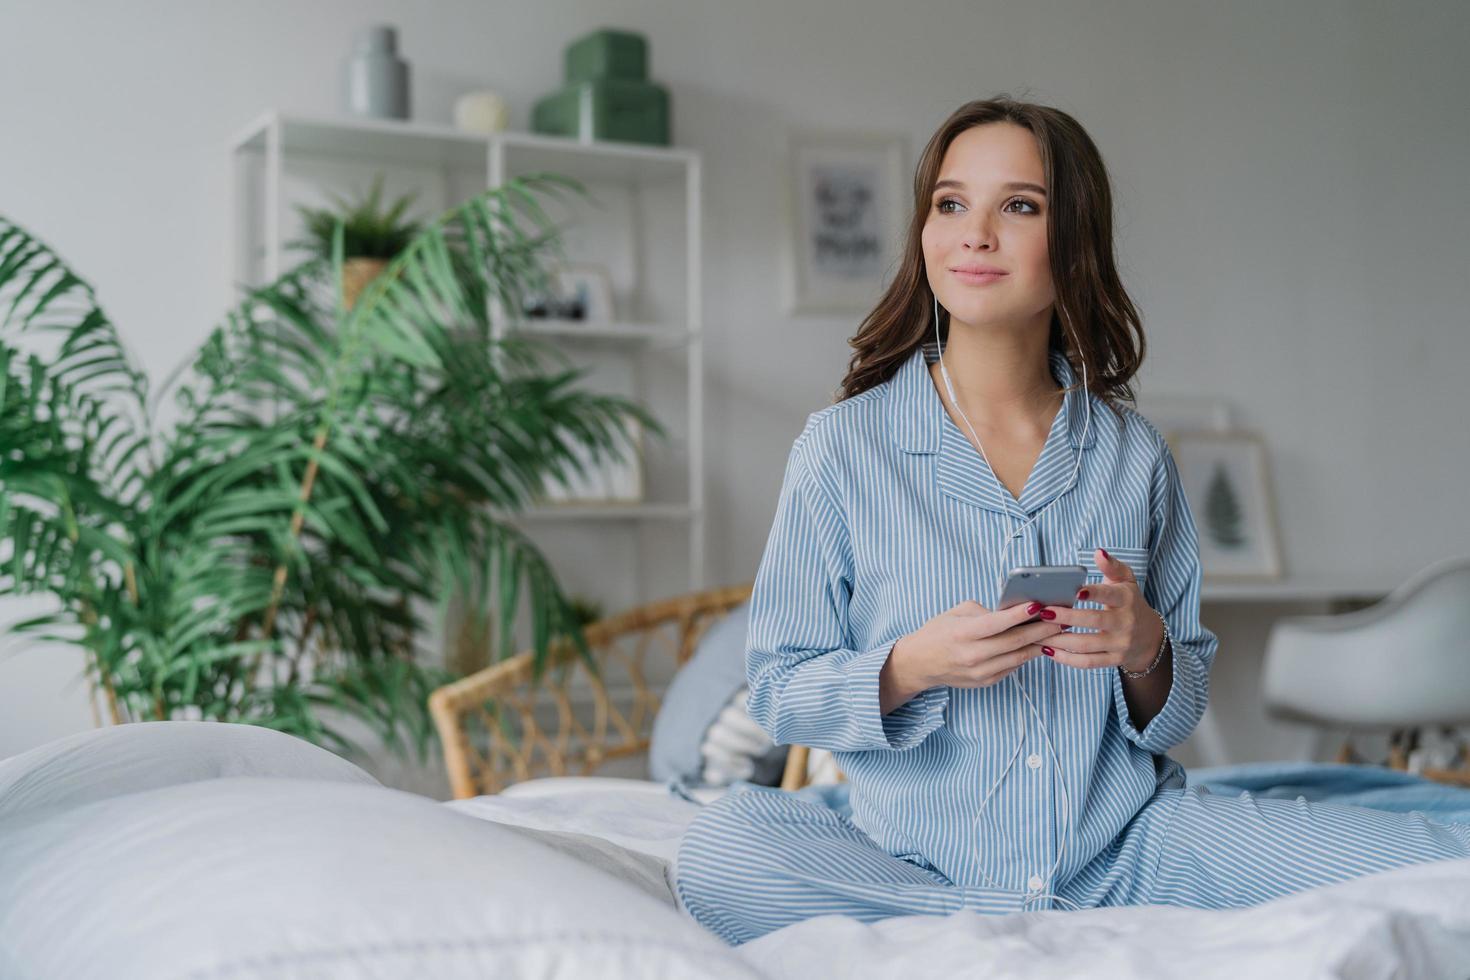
(986, 217)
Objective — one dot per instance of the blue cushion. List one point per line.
(703, 686)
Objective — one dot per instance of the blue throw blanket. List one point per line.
(1326, 782)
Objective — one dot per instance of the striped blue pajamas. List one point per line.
(888, 516)
(757, 860)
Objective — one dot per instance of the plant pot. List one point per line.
(356, 274)
(470, 638)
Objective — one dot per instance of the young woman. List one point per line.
(999, 759)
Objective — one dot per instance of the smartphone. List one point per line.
(1050, 585)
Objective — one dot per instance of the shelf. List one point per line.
(594, 161)
(386, 140)
(607, 333)
(599, 512)
(1302, 588)
(429, 145)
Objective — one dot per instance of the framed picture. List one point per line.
(609, 481)
(1225, 479)
(588, 288)
(1185, 413)
(625, 478)
(847, 199)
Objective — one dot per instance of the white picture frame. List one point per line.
(625, 478)
(1186, 413)
(607, 482)
(1226, 480)
(592, 284)
(847, 195)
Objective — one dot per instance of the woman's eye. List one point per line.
(1015, 200)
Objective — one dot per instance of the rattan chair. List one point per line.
(802, 764)
(491, 729)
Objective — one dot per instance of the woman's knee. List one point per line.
(732, 815)
(723, 860)
(752, 830)
(740, 828)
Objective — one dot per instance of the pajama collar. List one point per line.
(918, 423)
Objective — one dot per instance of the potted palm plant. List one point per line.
(333, 470)
(371, 235)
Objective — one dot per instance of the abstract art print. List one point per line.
(847, 194)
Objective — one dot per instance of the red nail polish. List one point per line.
(1048, 614)
(1032, 609)
(1105, 554)
(1048, 651)
(1082, 594)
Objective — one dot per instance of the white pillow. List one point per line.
(104, 762)
(270, 878)
(211, 850)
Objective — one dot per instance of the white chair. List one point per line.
(1400, 665)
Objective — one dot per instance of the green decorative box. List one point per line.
(606, 109)
(607, 54)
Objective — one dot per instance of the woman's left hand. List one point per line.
(1129, 631)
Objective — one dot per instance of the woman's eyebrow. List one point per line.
(1015, 185)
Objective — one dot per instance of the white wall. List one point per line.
(1289, 182)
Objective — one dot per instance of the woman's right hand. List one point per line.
(968, 646)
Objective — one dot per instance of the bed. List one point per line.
(187, 849)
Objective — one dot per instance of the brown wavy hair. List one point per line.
(1079, 233)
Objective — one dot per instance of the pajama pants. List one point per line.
(757, 860)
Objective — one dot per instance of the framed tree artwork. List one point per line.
(1225, 479)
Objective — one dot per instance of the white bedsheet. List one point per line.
(1413, 922)
(628, 828)
(637, 814)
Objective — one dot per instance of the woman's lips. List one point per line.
(979, 279)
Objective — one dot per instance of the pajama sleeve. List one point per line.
(1172, 587)
(807, 686)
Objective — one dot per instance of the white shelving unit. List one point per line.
(643, 224)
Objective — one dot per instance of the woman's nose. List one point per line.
(978, 235)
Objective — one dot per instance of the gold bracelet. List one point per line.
(1158, 658)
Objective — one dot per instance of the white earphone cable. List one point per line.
(1015, 675)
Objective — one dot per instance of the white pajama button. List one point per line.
(1033, 760)
(1035, 883)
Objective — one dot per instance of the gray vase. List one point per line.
(375, 79)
